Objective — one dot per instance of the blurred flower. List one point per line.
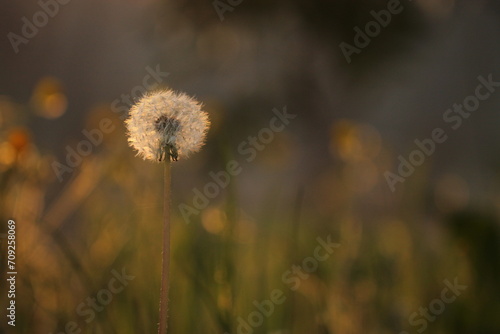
(214, 220)
(166, 123)
(48, 98)
(17, 142)
(19, 139)
(355, 142)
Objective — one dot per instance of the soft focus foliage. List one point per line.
(98, 214)
(388, 264)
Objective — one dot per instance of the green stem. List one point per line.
(165, 267)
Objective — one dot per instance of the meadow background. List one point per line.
(323, 176)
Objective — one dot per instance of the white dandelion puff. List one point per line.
(166, 125)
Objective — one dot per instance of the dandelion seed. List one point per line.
(165, 124)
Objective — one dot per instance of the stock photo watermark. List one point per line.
(436, 307)
(94, 137)
(292, 279)
(373, 28)
(453, 118)
(247, 149)
(30, 28)
(222, 6)
(88, 308)
(11, 272)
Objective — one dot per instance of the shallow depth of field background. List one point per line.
(322, 177)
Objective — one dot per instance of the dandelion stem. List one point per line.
(165, 270)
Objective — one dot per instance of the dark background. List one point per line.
(324, 175)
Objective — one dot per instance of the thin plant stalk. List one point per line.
(165, 267)
(165, 126)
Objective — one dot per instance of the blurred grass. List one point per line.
(394, 253)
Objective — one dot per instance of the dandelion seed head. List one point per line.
(166, 125)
